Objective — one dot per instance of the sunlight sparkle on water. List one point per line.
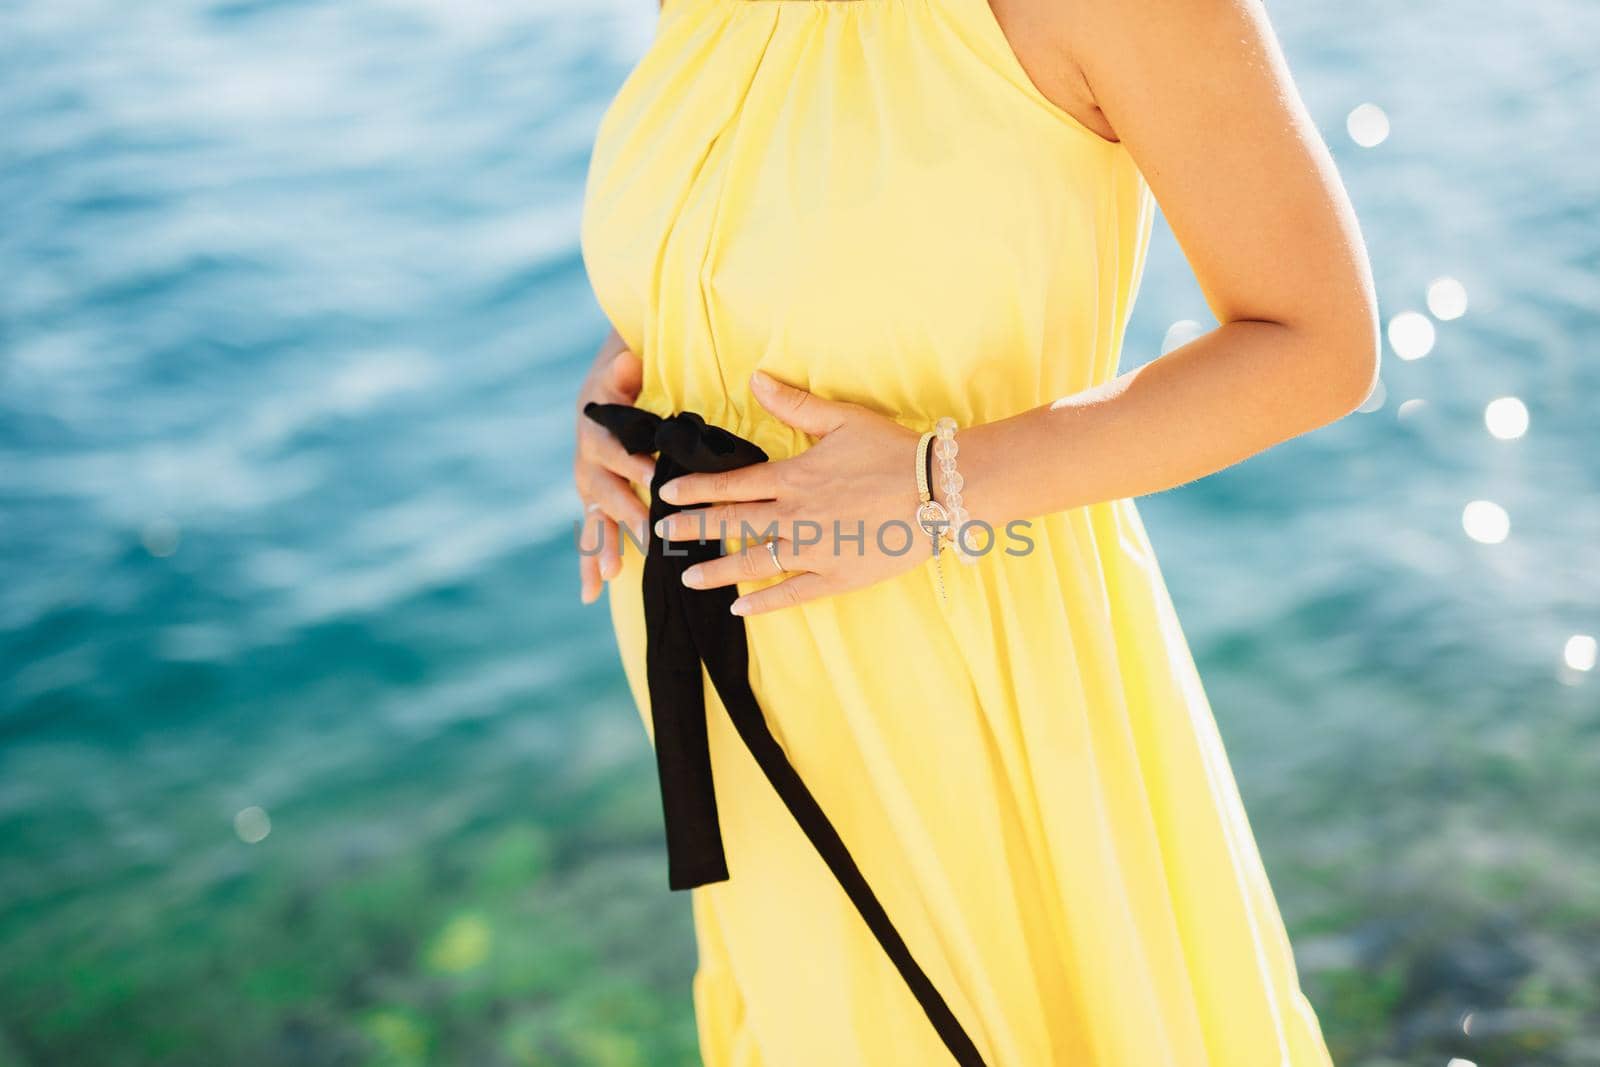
(1506, 417)
(1486, 522)
(1411, 335)
(252, 825)
(1447, 298)
(160, 537)
(1181, 333)
(1582, 652)
(1368, 125)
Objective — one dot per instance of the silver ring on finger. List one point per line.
(772, 550)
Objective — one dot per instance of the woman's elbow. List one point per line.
(1349, 353)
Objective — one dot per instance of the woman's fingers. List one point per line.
(599, 446)
(612, 499)
(588, 578)
(796, 407)
(784, 594)
(604, 474)
(752, 564)
(758, 481)
(616, 498)
(627, 376)
(757, 520)
(596, 530)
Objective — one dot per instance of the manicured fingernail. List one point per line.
(669, 491)
(662, 526)
(740, 606)
(760, 378)
(608, 569)
(691, 577)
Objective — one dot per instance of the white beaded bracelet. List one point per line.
(950, 480)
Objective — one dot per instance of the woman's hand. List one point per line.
(602, 470)
(860, 474)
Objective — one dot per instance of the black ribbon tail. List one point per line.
(672, 671)
(686, 628)
(677, 708)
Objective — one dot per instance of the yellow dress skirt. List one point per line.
(871, 200)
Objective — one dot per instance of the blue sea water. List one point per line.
(308, 752)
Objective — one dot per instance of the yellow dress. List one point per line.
(871, 200)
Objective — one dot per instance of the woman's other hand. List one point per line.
(603, 471)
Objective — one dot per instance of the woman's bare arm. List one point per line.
(1198, 92)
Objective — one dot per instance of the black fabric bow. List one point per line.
(687, 627)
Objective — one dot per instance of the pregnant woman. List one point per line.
(869, 263)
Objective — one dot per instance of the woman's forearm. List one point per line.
(1221, 398)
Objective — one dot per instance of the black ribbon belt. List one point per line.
(687, 627)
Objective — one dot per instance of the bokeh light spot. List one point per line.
(1411, 335)
(1506, 417)
(1181, 333)
(252, 825)
(1410, 409)
(1447, 298)
(1368, 125)
(1486, 522)
(1582, 652)
(160, 536)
